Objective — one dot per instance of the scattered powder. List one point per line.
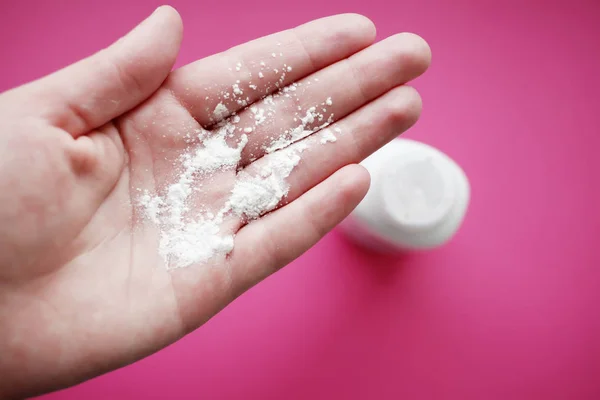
(269, 100)
(273, 55)
(186, 241)
(236, 89)
(281, 78)
(152, 205)
(259, 115)
(299, 132)
(190, 236)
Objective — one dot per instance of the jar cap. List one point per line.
(419, 192)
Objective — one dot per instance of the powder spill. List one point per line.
(301, 131)
(214, 155)
(252, 196)
(190, 236)
(194, 242)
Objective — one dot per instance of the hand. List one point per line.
(89, 280)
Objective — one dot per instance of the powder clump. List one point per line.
(253, 196)
(327, 136)
(194, 242)
(220, 112)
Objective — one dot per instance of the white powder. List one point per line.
(194, 242)
(214, 154)
(327, 136)
(220, 111)
(190, 236)
(186, 239)
(259, 115)
(236, 90)
(152, 205)
(269, 100)
(252, 196)
(296, 134)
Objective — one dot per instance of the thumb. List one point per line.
(91, 92)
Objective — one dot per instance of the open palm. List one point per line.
(84, 284)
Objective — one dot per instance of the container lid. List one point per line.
(418, 192)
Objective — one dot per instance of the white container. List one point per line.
(417, 200)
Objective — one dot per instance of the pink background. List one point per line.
(510, 309)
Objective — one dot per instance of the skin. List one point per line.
(82, 288)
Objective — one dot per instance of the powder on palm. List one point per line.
(190, 236)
